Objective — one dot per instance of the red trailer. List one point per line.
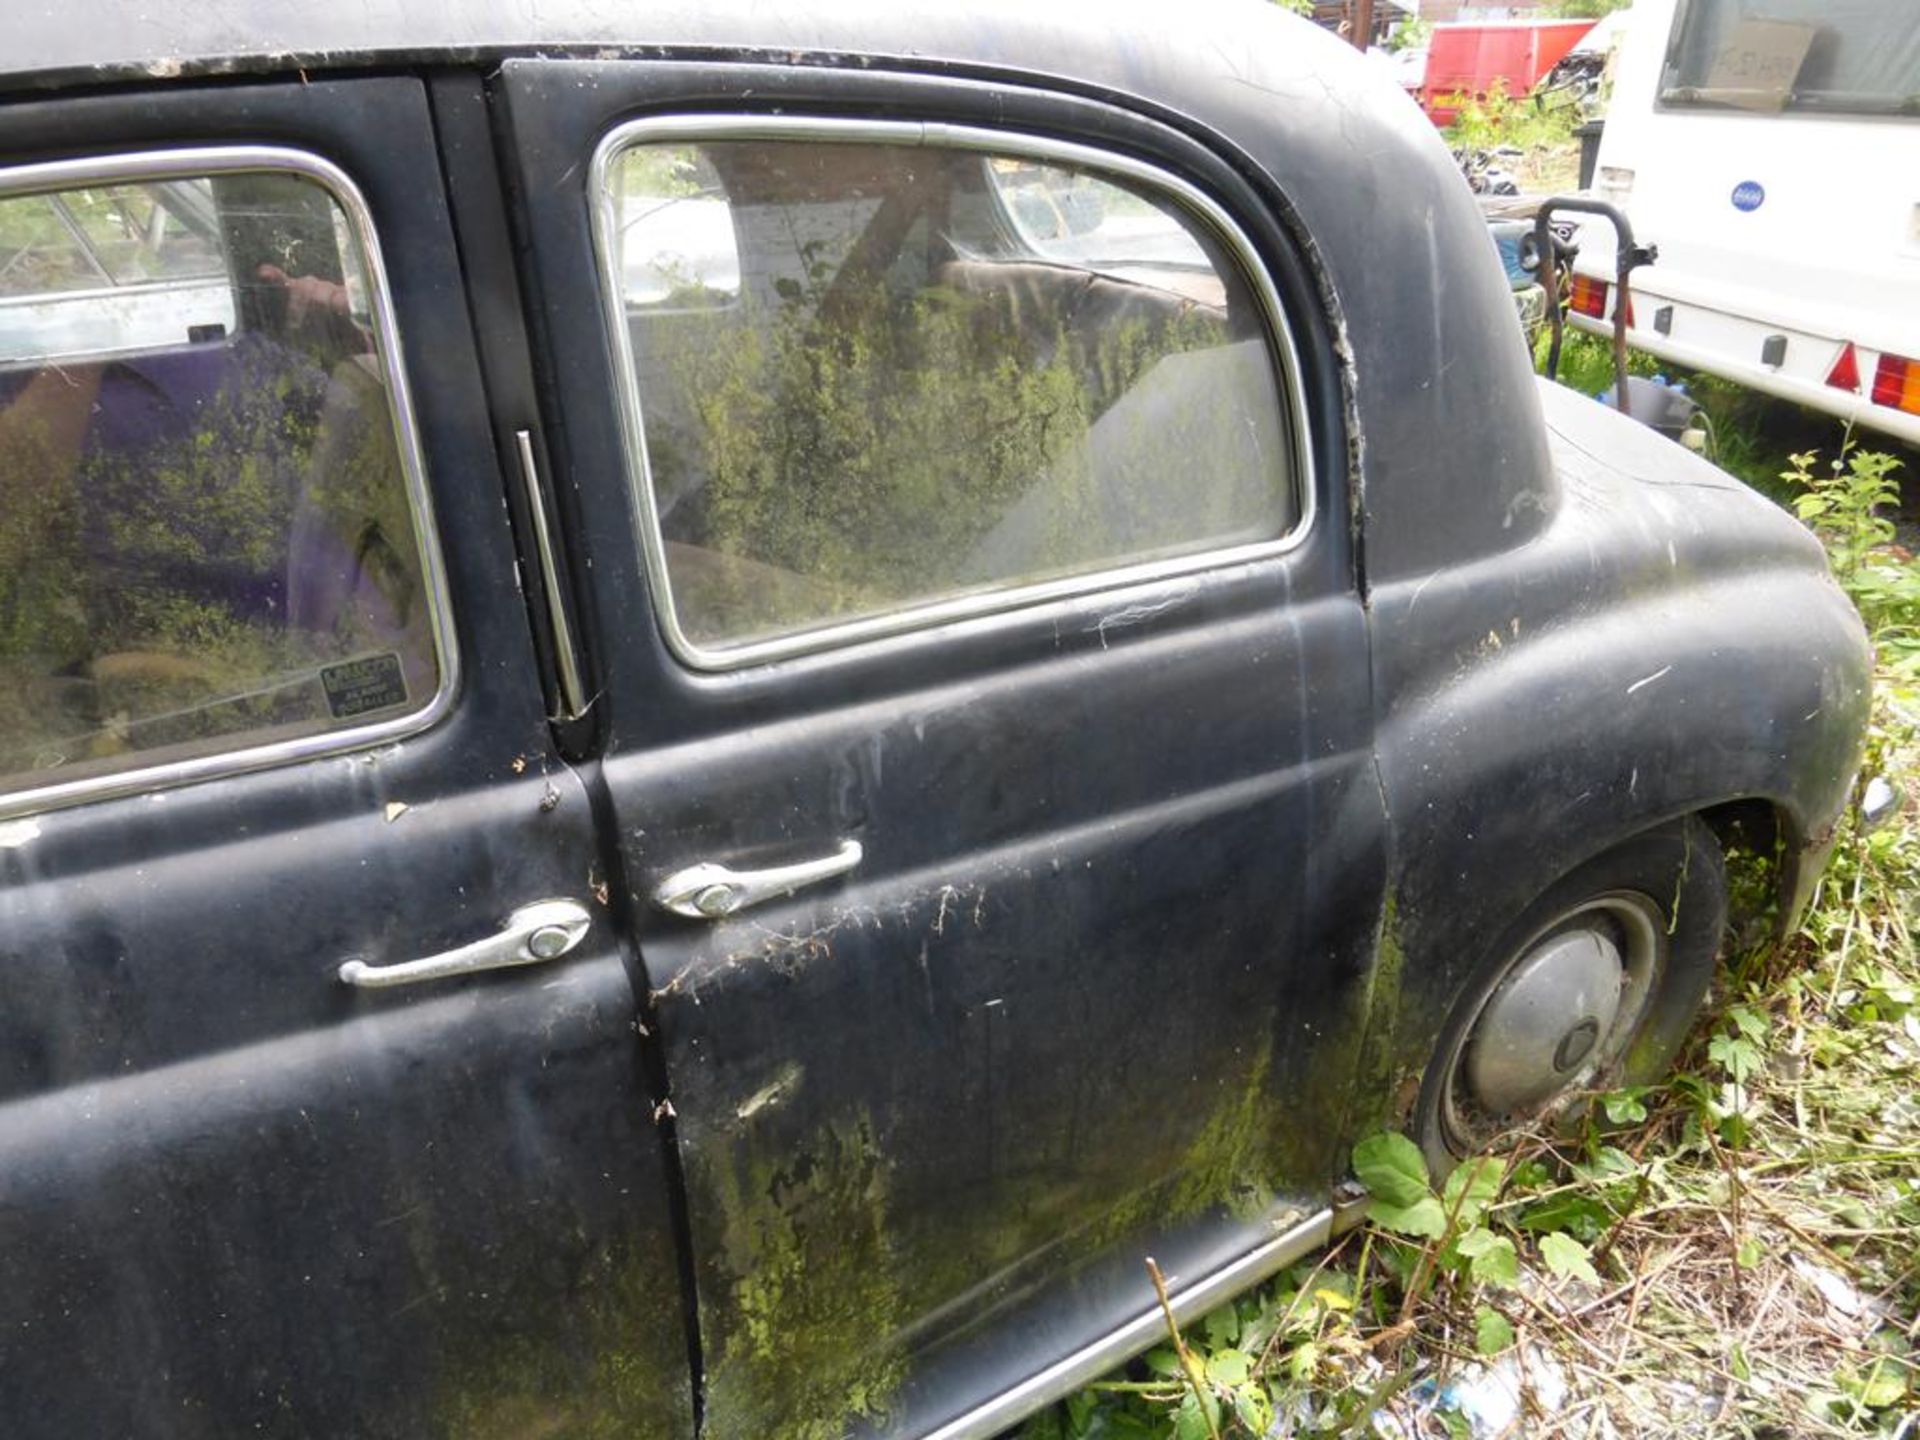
(1466, 59)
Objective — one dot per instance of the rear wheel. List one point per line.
(1594, 987)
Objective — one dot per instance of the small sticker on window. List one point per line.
(359, 687)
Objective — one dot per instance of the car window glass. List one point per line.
(932, 373)
(41, 251)
(1071, 216)
(206, 538)
(107, 236)
(149, 232)
(675, 230)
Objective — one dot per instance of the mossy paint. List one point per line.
(1380, 1094)
(801, 1302)
(529, 1384)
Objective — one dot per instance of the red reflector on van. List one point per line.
(1588, 297)
(1845, 374)
(1897, 384)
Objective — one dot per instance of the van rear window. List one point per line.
(1858, 57)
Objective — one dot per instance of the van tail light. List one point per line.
(1845, 374)
(1897, 384)
(1588, 297)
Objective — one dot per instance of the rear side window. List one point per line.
(210, 524)
(876, 382)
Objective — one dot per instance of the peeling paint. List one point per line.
(1139, 614)
(15, 834)
(1647, 680)
(769, 1094)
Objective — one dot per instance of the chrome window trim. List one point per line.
(189, 163)
(1195, 202)
(113, 292)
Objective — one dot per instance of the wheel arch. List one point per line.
(1419, 974)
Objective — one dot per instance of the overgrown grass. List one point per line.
(1734, 1252)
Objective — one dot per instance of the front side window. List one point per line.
(874, 377)
(208, 537)
(1839, 56)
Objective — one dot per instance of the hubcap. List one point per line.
(1544, 1020)
(1564, 1011)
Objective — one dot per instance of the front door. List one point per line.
(271, 736)
(985, 686)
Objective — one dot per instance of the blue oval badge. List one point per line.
(1749, 195)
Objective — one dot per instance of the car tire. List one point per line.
(1593, 987)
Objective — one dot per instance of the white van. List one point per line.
(1771, 150)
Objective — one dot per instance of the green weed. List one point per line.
(1542, 132)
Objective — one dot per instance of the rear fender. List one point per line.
(1535, 752)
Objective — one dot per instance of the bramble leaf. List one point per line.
(1492, 1331)
(1222, 1326)
(1566, 1256)
(1739, 1055)
(1623, 1107)
(1490, 1258)
(1228, 1367)
(1424, 1218)
(1470, 1189)
(1392, 1168)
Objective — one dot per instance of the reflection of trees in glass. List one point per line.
(43, 616)
(111, 235)
(187, 558)
(912, 396)
(661, 171)
(859, 449)
(141, 576)
(188, 535)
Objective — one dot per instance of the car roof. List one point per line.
(59, 42)
(1435, 376)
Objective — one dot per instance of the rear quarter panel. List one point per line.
(1668, 643)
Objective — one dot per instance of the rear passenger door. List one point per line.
(282, 1149)
(984, 686)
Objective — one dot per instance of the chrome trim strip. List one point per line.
(1199, 205)
(1090, 1362)
(188, 164)
(573, 693)
(108, 292)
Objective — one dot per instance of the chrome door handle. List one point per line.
(710, 891)
(545, 930)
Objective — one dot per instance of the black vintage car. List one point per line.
(703, 708)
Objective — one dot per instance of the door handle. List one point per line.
(542, 931)
(710, 891)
